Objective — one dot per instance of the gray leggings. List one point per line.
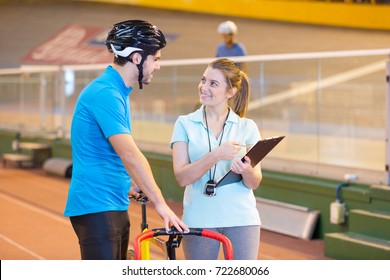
(245, 241)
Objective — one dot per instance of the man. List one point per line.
(230, 47)
(106, 159)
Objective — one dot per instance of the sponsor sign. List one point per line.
(74, 44)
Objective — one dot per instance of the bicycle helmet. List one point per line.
(227, 27)
(131, 36)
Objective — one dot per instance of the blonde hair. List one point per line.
(235, 78)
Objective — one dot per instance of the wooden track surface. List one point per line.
(32, 225)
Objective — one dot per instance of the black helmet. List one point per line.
(131, 36)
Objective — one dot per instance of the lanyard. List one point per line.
(220, 141)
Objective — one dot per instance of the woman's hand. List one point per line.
(228, 150)
(240, 167)
(252, 176)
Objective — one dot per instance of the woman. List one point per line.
(206, 144)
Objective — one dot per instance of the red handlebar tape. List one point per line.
(202, 232)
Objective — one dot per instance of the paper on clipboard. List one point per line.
(256, 154)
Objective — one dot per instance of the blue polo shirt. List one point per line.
(99, 180)
(234, 204)
(237, 49)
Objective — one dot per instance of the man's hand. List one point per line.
(170, 218)
(135, 191)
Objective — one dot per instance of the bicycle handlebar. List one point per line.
(141, 198)
(192, 231)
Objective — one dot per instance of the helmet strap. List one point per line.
(140, 70)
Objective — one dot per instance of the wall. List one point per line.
(311, 12)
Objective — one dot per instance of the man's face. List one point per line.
(151, 64)
(228, 38)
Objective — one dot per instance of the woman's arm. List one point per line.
(187, 172)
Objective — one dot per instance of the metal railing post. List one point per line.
(42, 102)
(387, 122)
(61, 110)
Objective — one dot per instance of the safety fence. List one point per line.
(333, 107)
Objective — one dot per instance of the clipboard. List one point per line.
(256, 154)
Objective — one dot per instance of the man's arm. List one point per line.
(139, 169)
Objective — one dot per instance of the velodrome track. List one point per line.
(32, 225)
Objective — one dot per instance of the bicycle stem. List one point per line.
(144, 223)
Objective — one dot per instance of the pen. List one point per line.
(246, 146)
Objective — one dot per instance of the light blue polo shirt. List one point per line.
(99, 180)
(234, 204)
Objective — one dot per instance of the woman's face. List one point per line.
(213, 88)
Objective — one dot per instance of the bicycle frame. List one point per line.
(145, 247)
(175, 238)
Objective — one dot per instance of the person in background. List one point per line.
(105, 157)
(206, 144)
(230, 46)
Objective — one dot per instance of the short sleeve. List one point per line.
(110, 111)
(179, 132)
(254, 134)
